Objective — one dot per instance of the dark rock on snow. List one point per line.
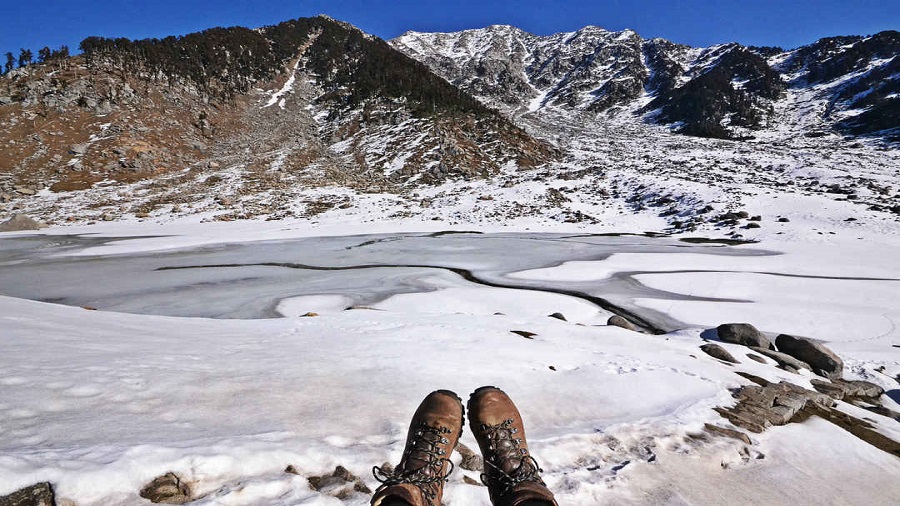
(822, 360)
(716, 351)
(40, 494)
(753, 356)
(742, 333)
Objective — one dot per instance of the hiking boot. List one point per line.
(425, 464)
(511, 474)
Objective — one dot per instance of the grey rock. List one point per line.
(558, 316)
(25, 190)
(783, 359)
(40, 494)
(822, 360)
(742, 333)
(167, 489)
(716, 351)
(5, 99)
(618, 321)
(20, 222)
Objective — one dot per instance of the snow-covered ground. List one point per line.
(99, 402)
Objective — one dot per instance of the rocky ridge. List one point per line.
(723, 91)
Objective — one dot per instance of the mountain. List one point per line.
(845, 84)
(234, 115)
(314, 119)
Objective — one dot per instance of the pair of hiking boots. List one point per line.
(511, 474)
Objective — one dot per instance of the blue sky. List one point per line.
(786, 23)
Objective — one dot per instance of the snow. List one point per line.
(100, 402)
(288, 87)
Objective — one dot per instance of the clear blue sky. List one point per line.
(786, 23)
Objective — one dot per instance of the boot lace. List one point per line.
(425, 447)
(505, 446)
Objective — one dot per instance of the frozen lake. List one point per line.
(290, 277)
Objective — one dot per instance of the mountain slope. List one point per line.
(725, 91)
(191, 117)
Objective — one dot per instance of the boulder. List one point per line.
(167, 489)
(40, 494)
(618, 321)
(742, 333)
(558, 316)
(784, 360)
(18, 223)
(716, 351)
(823, 361)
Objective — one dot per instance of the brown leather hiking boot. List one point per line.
(425, 465)
(511, 474)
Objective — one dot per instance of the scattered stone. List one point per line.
(213, 165)
(558, 316)
(40, 494)
(716, 351)
(783, 220)
(619, 321)
(310, 314)
(524, 333)
(341, 483)
(757, 358)
(722, 431)
(742, 333)
(784, 360)
(25, 190)
(167, 489)
(20, 222)
(823, 361)
(290, 469)
(471, 461)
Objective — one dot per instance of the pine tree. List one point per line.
(10, 62)
(25, 57)
(44, 54)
